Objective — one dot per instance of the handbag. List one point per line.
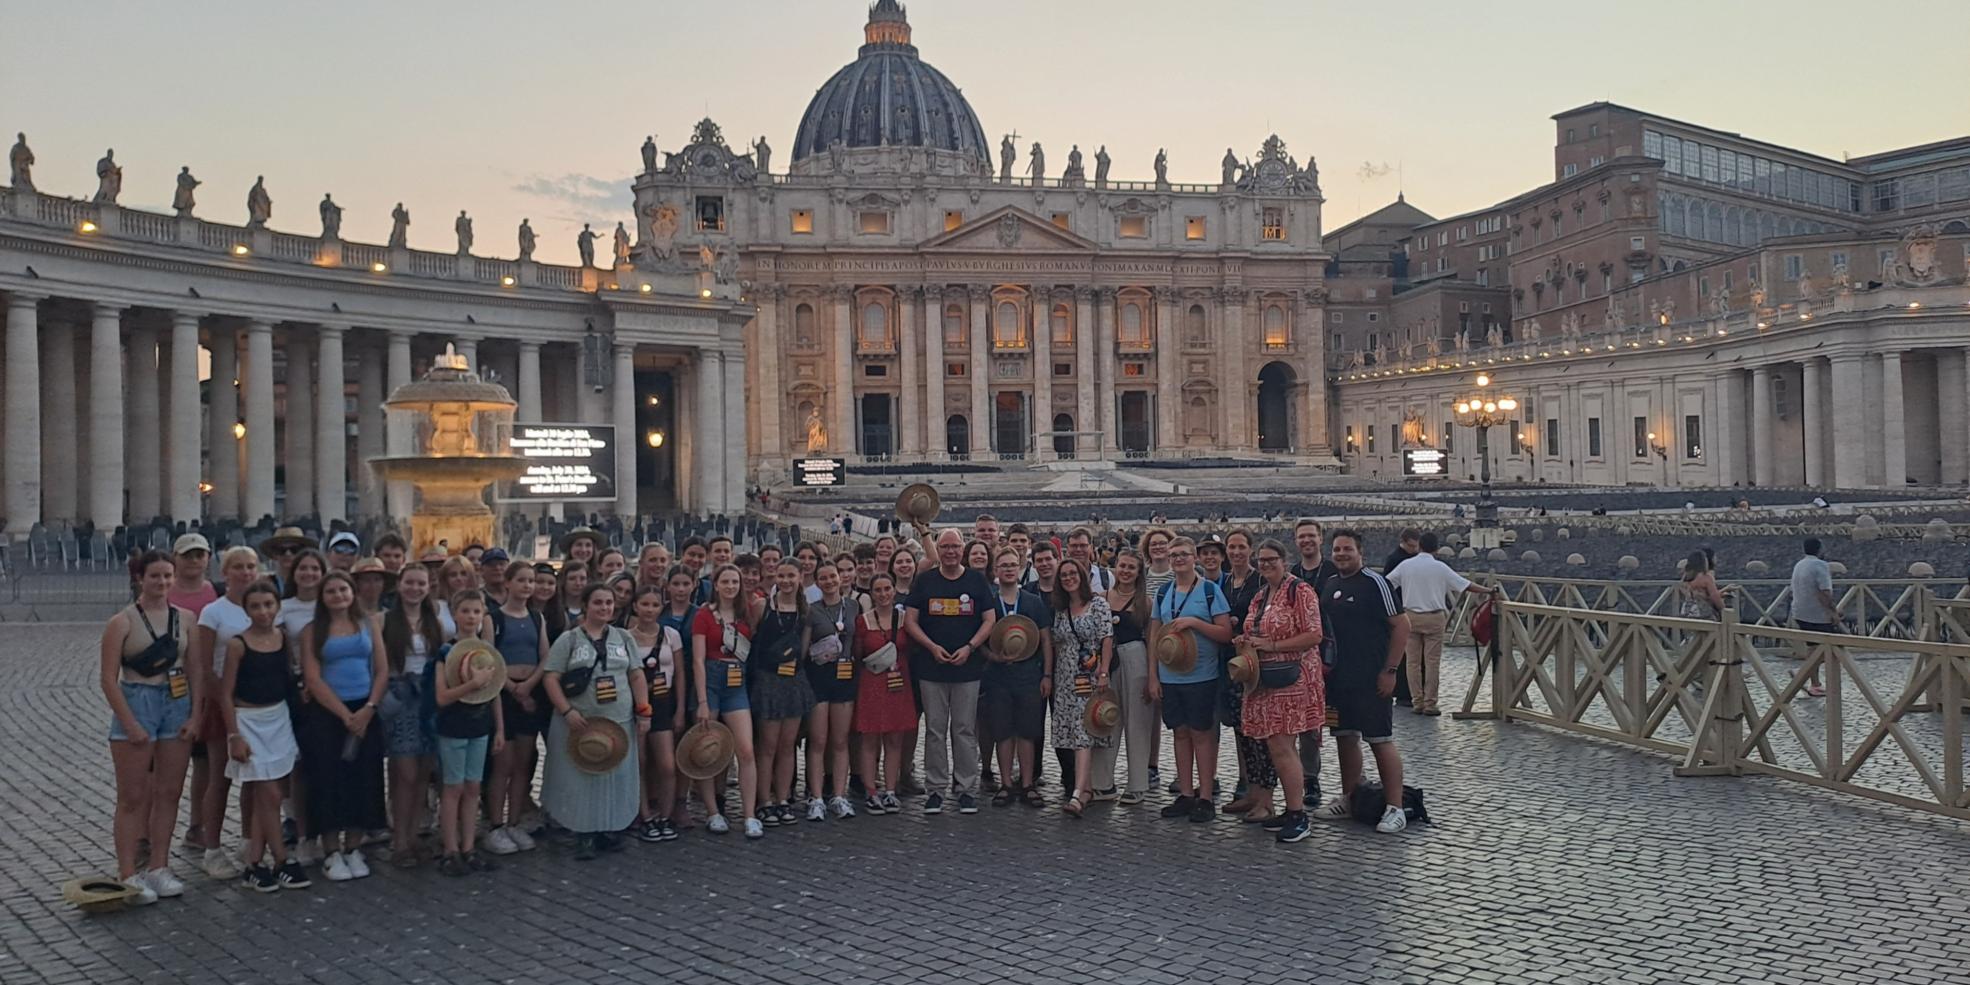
(162, 653)
(882, 659)
(1275, 674)
(575, 680)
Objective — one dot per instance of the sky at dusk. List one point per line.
(514, 109)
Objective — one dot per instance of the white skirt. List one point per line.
(269, 734)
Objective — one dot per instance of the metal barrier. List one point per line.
(1718, 697)
(35, 596)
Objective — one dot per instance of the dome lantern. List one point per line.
(888, 24)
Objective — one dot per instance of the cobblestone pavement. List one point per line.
(1553, 859)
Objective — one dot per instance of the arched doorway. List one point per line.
(957, 436)
(1063, 441)
(1275, 407)
(878, 430)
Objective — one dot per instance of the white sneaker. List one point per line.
(1393, 820)
(521, 840)
(218, 866)
(358, 866)
(754, 829)
(843, 808)
(145, 895)
(716, 824)
(1336, 810)
(499, 842)
(336, 869)
(817, 810)
(163, 883)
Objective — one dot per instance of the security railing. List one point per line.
(1888, 608)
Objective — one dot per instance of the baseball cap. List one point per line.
(186, 543)
(494, 555)
(345, 543)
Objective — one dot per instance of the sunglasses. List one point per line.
(287, 551)
(342, 549)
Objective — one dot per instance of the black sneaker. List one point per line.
(585, 848)
(293, 876)
(454, 865)
(611, 843)
(247, 877)
(479, 861)
(264, 879)
(1202, 810)
(1179, 807)
(933, 804)
(768, 815)
(666, 829)
(1295, 828)
(967, 804)
(1279, 822)
(649, 831)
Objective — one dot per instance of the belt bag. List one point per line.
(1276, 674)
(825, 649)
(882, 659)
(162, 653)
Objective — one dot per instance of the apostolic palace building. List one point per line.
(1678, 306)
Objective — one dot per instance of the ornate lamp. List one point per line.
(1480, 410)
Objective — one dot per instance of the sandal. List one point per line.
(1031, 797)
(1074, 806)
(1003, 798)
(1243, 805)
(1254, 817)
(1815, 691)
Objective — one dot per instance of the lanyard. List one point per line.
(1003, 611)
(1177, 610)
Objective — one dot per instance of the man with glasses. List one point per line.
(1314, 570)
(1190, 604)
(343, 548)
(1080, 547)
(1369, 631)
(949, 614)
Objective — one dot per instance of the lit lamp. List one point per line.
(654, 439)
(1655, 445)
(1482, 409)
(239, 430)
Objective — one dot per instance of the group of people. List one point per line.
(338, 691)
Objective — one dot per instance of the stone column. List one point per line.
(909, 424)
(401, 494)
(1727, 425)
(143, 426)
(933, 372)
(772, 393)
(1849, 422)
(591, 401)
(371, 440)
(1107, 414)
(842, 400)
(298, 458)
(1041, 420)
(23, 452)
(707, 462)
(527, 399)
(1084, 370)
(622, 390)
(259, 380)
(61, 497)
(1952, 417)
(181, 498)
(1963, 423)
(981, 369)
(732, 361)
(106, 417)
(467, 346)
(331, 425)
(1234, 379)
(1310, 332)
(1764, 469)
(222, 412)
(1894, 442)
(1815, 419)
(1168, 392)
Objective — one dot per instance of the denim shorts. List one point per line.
(722, 697)
(462, 760)
(154, 709)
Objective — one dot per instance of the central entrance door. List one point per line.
(1275, 407)
(1009, 423)
(877, 429)
(1134, 438)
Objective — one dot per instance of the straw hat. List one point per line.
(97, 894)
(286, 537)
(1103, 714)
(1014, 638)
(580, 533)
(705, 749)
(371, 566)
(600, 747)
(433, 555)
(918, 503)
(1176, 650)
(481, 654)
(1243, 669)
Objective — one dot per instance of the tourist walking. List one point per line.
(147, 680)
(1813, 606)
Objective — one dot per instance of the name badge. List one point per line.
(844, 670)
(1083, 684)
(786, 670)
(605, 689)
(180, 685)
(734, 677)
(895, 682)
(659, 685)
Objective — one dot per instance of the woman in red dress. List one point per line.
(1283, 626)
(885, 710)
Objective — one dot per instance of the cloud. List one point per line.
(584, 192)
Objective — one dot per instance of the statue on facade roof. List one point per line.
(331, 218)
(463, 227)
(762, 155)
(526, 240)
(1230, 167)
(1101, 166)
(1162, 168)
(1007, 154)
(20, 165)
(399, 227)
(1531, 330)
(650, 154)
(1074, 174)
(585, 244)
(259, 205)
(1037, 163)
(109, 178)
(1495, 336)
(621, 245)
(182, 199)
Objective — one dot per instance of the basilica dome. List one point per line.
(888, 97)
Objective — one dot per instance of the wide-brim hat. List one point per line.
(1176, 650)
(580, 533)
(371, 566)
(1243, 669)
(480, 654)
(599, 747)
(1103, 715)
(1014, 638)
(919, 503)
(287, 537)
(705, 749)
(433, 555)
(97, 894)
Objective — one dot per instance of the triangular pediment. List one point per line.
(1008, 229)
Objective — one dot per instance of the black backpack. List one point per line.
(1370, 801)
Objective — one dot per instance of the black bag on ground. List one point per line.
(1370, 801)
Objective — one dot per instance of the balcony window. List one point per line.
(802, 221)
(875, 328)
(1276, 334)
(1062, 326)
(1134, 332)
(953, 325)
(1193, 228)
(874, 223)
(1006, 327)
(1132, 227)
(1273, 224)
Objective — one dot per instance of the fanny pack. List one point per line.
(574, 681)
(162, 653)
(1275, 674)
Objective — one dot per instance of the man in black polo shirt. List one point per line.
(950, 615)
(1368, 630)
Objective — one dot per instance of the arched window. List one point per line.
(875, 327)
(1063, 325)
(1134, 332)
(803, 324)
(1275, 326)
(953, 324)
(1193, 324)
(1005, 326)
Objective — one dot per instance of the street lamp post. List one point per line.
(1479, 411)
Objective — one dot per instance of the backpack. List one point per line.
(1211, 591)
(1369, 803)
(499, 625)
